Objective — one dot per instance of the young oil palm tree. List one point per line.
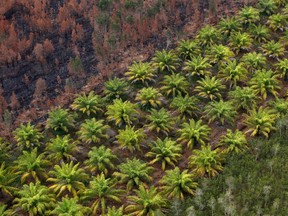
(60, 121)
(140, 72)
(229, 25)
(4, 211)
(92, 131)
(206, 161)
(243, 98)
(249, 15)
(187, 105)
(267, 7)
(165, 151)
(101, 190)
(233, 142)
(116, 88)
(5, 149)
(260, 121)
(280, 106)
(187, 49)
(147, 202)
(7, 178)
(198, 66)
(100, 159)
(264, 82)
(165, 61)
(71, 207)
(254, 61)
(61, 148)
(176, 184)
(222, 111)
(282, 68)
(133, 172)
(115, 211)
(122, 113)
(273, 49)
(31, 166)
(67, 179)
(149, 98)
(194, 132)
(27, 136)
(260, 33)
(277, 22)
(174, 84)
(208, 35)
(88, 104)
(233, 72)
(131, 138)
(239, 41)
(160, 121)
(219, 54)
(34, 199)
(209, 88)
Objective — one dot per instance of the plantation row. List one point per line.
(150, 136)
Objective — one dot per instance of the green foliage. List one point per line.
(187, 105)
(254, 61)
(27, 136)
(243, 98)
(188, 49)
(259, 33)
(165, 61)
(134, 172)
(273, 49)
(147, 202)
(240, 42)
(198, 66)
(277, 22)
(176, 184)
(7, 177)
(165, 151)
(92, 131)
(175, 84)
(140, 72)
(115, 212)
(229, 25)
(249, 15)
(149, 97)
(194, 131)
(282, 68)
(131, 138)
(208, 35)
(267, 7)
(4, 150)
(219, 54)
(116, 88)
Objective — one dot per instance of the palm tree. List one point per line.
(277, 22)
(165, 61)
(259, 32)
(249, 15)
(71, 207)
(282, 68)
(133, 172)
(131, 138)
(115, 212)
(116, 88)
(4, 211)
(92, 131)
(209, 88)
(147, 202)
(206, 161)
(240, 41)
(100, 159)
(260, 121)
(88, 104)
(61, 148)
(160, 121)
(165, 151)
(31, 166)
(176, 184)
(34, 199)
(219, 54)
(267, 7)
(198, 66)
(140, 72)
(222, 111)
(254, 61)
(233, 72)
(234, 142)
(60, 121)
(194, 132)
(187, 49)
(280, 106)
(67, 178)
(122, 112)
(208, 35)
(264, 82)
(27, 136)
(243, 98)
(5, 148)
(101, 190)
(229, 25)
(273, 49)
(149, 97)
(7, 177)
(187, 105)
(175, 84)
